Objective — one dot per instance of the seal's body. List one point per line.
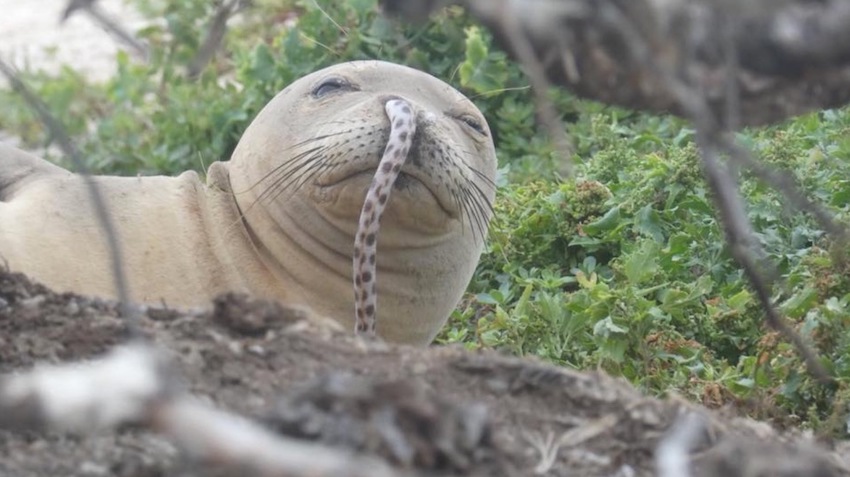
(177, 248)
(279, 219)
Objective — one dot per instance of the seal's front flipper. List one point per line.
(18, 167)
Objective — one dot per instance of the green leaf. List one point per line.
(481, 71)
(606, 327)
(262, 65)
(522, 305)
(642, 263)
(607, 222)
(800, 303)
(740, 300)
(648, 222)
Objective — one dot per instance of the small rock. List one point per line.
(497, 386)
(257, 350)
(72, 308)
(33, 303)
(91, 468)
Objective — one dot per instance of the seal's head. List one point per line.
(301, 171)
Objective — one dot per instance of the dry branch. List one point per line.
(672, 457)
(720, 64)
(794, 54)
(57, 131)
(100, 17)
(131, 386)
(215, 34)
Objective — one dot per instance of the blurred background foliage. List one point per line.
(622, 267)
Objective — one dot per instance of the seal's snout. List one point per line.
(422, 116)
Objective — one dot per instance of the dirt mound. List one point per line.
(434, 411)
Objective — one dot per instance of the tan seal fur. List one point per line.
(278, 220)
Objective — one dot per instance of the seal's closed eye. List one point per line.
(331, 85)
(473, 123)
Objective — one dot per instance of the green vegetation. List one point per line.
(623, 268)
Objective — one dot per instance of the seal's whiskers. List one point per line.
(403, 128)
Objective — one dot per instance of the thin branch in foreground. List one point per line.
(725, 191)
(131, 385)
(672, 455)
(724, 187)
(215, 35)
(648, 56)
(114, 389)
(727, 197)
(67, 145)
(783, 182)
(91, 8)
(498, 12)
(540, 87)
(631, 57)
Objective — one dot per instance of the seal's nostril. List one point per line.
(426, 117)
(388, 97)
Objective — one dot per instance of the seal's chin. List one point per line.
(413, 202)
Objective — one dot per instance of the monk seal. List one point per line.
(278, 220)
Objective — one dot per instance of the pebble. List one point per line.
(33, 303)
(72, 309)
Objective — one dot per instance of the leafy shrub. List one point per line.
(646, 288)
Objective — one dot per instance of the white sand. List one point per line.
(31, 36)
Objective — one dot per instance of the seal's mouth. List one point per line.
(409, 177)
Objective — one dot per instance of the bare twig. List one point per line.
(131, 385)
(57, 131)
(215, 35)
(672, 456)
(112, 390)
(738, 231)
(793, 54)
(784, 182)
(540, 87)
(91, 8)
(658, 67)
(724, 187)
(549, 447)
(732, 118)
(499, 14)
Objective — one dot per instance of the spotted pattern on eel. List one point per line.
(402, 129)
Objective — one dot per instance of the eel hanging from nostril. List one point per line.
(402, 129)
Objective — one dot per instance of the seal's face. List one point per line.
(301, 171)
